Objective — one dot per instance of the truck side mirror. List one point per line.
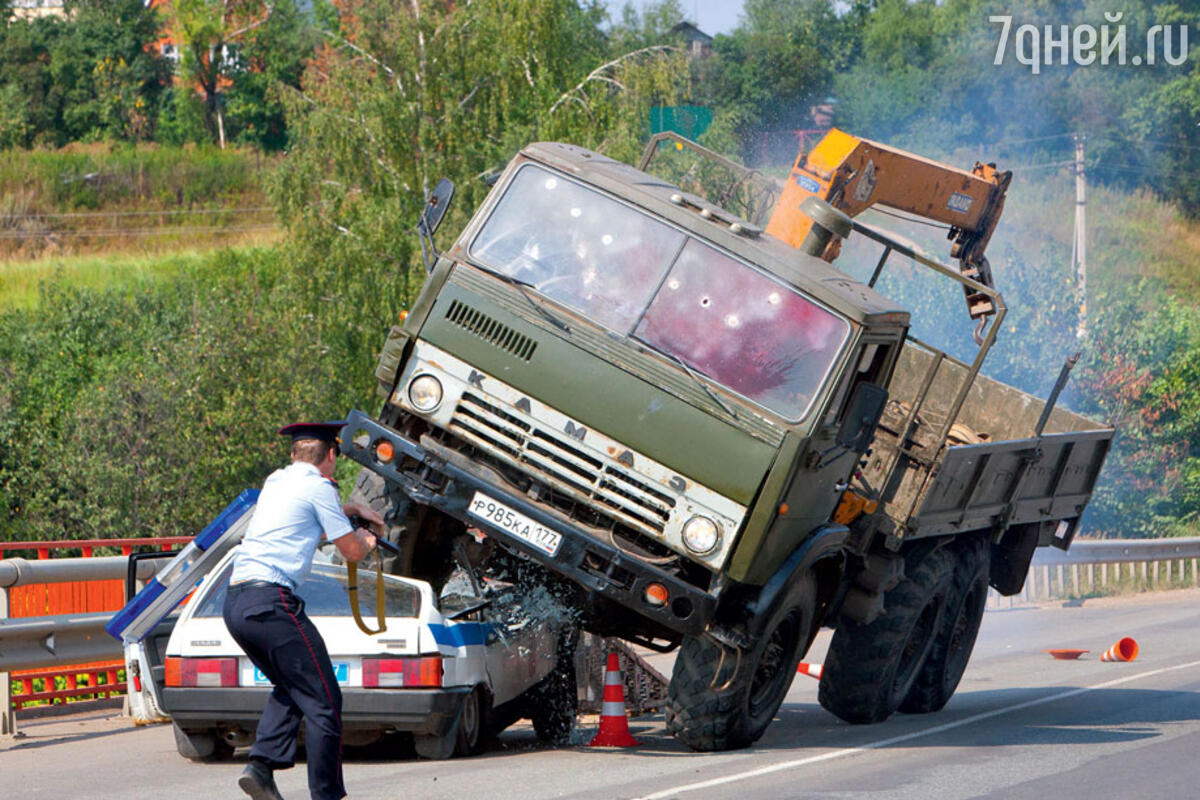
(436, 206)
(862, 417)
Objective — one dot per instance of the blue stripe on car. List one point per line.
(460, 634)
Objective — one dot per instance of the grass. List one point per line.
(101, 198)
(20, 281)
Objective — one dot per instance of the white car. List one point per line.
(448, 670)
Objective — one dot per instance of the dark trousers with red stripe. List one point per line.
(269, 623)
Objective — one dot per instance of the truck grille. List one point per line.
(559, 460)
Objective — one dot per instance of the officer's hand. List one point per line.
(368, 539)
(366, 512)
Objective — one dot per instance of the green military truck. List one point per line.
(705, 439)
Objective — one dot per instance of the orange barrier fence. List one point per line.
(88, 546)
(84, 682)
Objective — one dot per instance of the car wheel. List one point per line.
(204, 745)
(464, 737)
(436, 748)
(471, 724)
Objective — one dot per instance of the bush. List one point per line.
(143, 410)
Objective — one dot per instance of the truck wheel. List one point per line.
(399, 516)
(554, 702)
(707, 711)
(203, 745)
(870, 668)
(952, 646)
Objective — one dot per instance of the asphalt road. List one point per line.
(1022, 725)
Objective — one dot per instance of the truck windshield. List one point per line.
(640, 277)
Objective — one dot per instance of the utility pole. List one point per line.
(1079, 245)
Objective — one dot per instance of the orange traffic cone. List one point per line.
(1124, 650)
(811, 670)
(614, 725)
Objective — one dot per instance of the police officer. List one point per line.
(298, 505)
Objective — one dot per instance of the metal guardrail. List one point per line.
(19, 571)
(1114, 551)
(63, 639)
(30, 642)
(1100, 566)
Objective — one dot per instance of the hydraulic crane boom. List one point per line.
(853, 174)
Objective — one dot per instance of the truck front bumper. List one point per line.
(447, 483)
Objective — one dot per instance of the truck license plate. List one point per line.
(516, 523)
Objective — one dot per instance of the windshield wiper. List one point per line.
(523, 288)
(700, 382)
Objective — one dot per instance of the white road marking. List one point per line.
(849, 751)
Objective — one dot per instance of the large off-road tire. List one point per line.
(943, 669)
(425, 536)
(870, 668)
(206, 745)
(710, 711)
(554, 703)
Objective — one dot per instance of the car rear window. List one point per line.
(325, 594)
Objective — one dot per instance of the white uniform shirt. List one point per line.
(296, 506)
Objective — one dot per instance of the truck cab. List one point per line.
(640, 375)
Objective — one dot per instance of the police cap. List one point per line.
(323, 431)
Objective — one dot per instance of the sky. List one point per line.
(710, 16)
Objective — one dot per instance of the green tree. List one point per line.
(270, 59)
(770, 71)
(648, 27)
(209, 33)
(90, 75)
(106, 73)
(24, 52)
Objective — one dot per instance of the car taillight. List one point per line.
(214, 672)
(390, 673)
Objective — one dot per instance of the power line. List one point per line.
(1040, 166)
(1159, 142)
(1162, 173)
(1028, 141)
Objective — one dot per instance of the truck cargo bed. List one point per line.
(994, 470)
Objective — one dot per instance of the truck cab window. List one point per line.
(577, 247)
(744, 329)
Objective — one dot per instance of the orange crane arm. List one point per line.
(853, 174)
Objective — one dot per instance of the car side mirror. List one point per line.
(862, 417)
(436, 206)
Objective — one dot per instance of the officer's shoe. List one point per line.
(256, 780)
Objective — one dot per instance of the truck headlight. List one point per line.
(701, 534)
(425, 392)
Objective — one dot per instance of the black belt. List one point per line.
(256, 585)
